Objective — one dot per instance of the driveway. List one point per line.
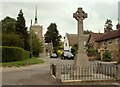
(31, 75)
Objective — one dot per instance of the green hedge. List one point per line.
(11, 54)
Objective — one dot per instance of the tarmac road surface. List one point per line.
(31, 75)
(40, 75)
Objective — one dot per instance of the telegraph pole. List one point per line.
(31, 40)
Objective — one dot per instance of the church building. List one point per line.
(38, 29)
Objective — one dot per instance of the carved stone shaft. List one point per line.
(81, 57)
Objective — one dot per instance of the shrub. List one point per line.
(12, 54)
(106, 56)
(59, 52)
(91, 52)
(74, 49)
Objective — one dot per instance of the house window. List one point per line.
(65, 44)
(117, 40)
(104, 43)
(110, 42)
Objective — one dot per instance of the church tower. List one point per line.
(38, 29)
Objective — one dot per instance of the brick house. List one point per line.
(108, 40)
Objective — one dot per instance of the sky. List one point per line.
(61, 13)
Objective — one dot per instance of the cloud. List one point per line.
(61, 13)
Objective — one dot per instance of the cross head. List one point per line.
(80, 14)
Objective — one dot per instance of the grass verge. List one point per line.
(26, 62)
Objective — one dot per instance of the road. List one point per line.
(35, 74)
(31, 75)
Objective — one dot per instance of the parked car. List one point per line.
(53, 55)
(67, 55)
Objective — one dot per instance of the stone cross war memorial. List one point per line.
(81, 57)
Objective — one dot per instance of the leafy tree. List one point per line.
(52, 35)
(74, 49)
(21, 29)
(88, 46)
(108, 25)
(8, 25)
(61, 45)
(87, 32)
(36, 45)
(12, 39)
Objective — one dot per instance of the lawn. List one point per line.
(26, 62)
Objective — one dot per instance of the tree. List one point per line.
(9, 36)
(87, 32)
(108, 26)
(107, 56)
(21, 29)
(36, 45)
(52, 35)
(8, 25)
(74, 49)
(12, 39)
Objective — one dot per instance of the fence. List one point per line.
(53, 70)
(68, 72)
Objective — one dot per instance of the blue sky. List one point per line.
(61, 13)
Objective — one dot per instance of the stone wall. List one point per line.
(114, 55)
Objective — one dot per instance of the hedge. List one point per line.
(12, 54)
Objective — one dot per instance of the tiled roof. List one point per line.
(96, 36)
(106, 36)
(72, 38)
